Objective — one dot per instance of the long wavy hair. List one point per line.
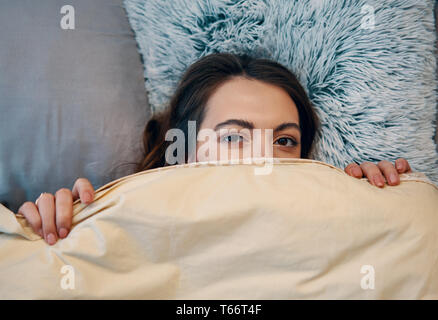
(197, 85)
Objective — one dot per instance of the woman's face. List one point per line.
(241, 105)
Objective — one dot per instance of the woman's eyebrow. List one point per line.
(247, 124)
(240, 122)
(286, 125)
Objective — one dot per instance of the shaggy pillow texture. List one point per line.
(368, 66)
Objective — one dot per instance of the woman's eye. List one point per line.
(232, 138)
(287, 142)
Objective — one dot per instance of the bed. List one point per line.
(74, 105)
(217, 230)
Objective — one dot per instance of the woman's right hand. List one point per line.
(51, 215)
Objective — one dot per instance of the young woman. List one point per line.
(232, 96)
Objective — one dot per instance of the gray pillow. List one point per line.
(73, 102)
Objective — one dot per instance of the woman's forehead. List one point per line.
(262, 103)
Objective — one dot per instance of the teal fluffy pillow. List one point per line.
(368, 66)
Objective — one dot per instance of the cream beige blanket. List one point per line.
(306, 230)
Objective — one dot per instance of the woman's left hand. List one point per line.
(376, 173)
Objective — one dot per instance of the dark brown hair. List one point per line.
(197, 85)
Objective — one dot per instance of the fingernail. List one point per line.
(51, 239)
(398, 166)
(393, 178)
(357, 172)
(63, 232)
(88, 196)
(378, 182)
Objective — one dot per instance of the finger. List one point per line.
(389, 172)
(46, 208)
(84, 190)
(64, 211)
(373, 173)
(402, 165)
(30, 211)
(354, 170)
